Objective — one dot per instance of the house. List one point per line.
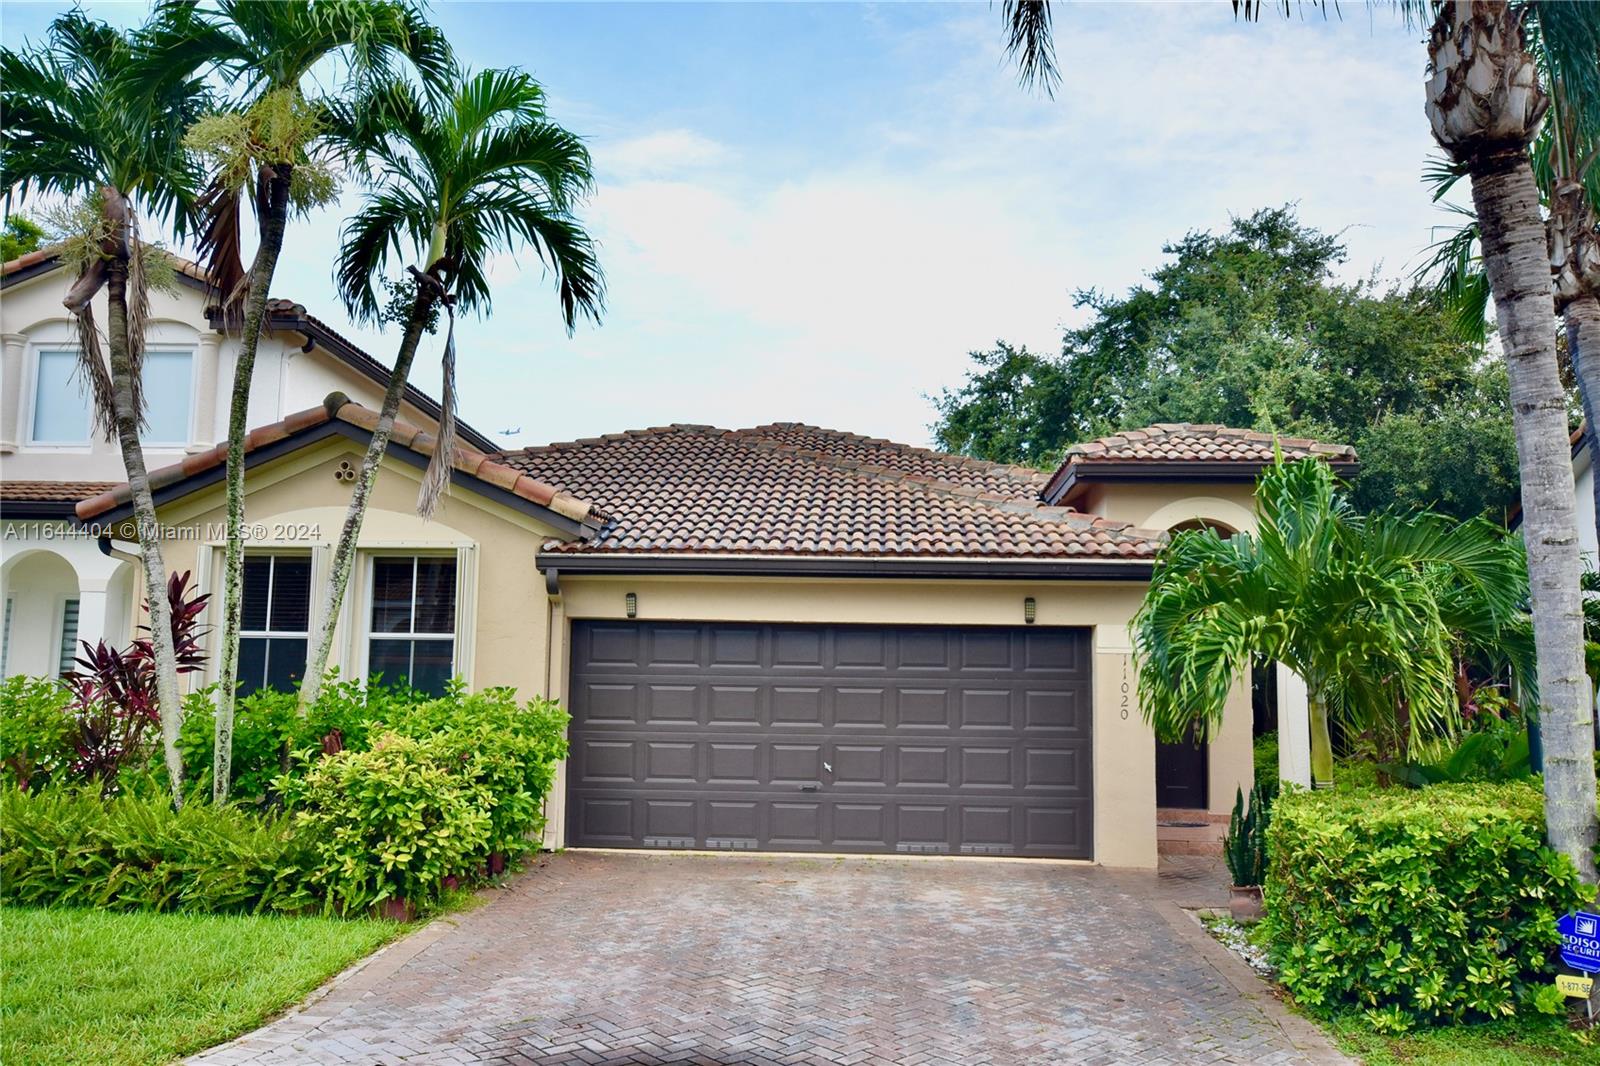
(779, 638)
(58, 587)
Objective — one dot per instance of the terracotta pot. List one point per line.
(1244, 902)
(397, 910)
(452, 882)
(497, 863)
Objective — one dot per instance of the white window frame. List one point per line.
(272, 576)
(369, 572)
(30, 398)
(62, 649)
(189, 403)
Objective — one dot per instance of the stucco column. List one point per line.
(93, 605)
(1294, 728)
(1124, 753)
(12, 348)
(207, 354)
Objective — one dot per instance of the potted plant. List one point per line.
(1245, 848)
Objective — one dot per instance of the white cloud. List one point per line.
(659, 154)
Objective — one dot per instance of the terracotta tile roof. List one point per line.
(797, 490)
(1186, 441)
(52, 491)
(468, 461)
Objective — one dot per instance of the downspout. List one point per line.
(552, 593)
(116, 553)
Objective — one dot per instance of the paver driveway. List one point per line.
(615, 958)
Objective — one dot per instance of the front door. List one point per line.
(1181, 777)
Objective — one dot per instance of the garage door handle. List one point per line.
(809, 788)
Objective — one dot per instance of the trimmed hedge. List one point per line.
(424, 792)
(1435, 905)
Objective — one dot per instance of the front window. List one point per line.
(67, 661)
(168, 396)
(413, 631)
(276, 621)
(60, 404)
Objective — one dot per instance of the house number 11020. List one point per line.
(1124, 689)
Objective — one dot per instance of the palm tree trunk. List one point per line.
(168, 700)
(273, 223)
(1581, 317)
(344, 553)
(1321, 741)
(1516, 258)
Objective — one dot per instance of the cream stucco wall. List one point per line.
(286, 379)
(298, 504)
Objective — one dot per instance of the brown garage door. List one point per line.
(831, 738)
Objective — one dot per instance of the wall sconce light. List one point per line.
(631, 604)
(1030, 610)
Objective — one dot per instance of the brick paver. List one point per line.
(643, 959)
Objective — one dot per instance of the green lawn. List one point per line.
(1519, 1043)
(105, 989)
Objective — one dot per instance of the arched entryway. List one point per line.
(1183, 769)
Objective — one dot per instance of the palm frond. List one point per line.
(1030, 44)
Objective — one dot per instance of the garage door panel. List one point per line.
(871, 739)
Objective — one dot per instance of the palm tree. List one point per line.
(76, 125)
(1372, 611)
(1565, 39)
(1485, 105)
(464, 175)
(263, 147)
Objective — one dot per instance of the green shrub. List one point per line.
(388, 823)
(507, 752)
(133, 852)
(36, 731)
(1265, 752)
(1434, 905)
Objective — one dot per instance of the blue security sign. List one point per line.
(1580, 941)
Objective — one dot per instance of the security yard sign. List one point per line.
(1580, 941)
(1572, 985)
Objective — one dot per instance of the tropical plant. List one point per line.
(463, 175)
(267, 146)
(1360, 606)
(1485, 104)
(1245, 845)
(115, 694)
(79, 124)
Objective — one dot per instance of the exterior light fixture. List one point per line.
(1030, 610)
(631, 603)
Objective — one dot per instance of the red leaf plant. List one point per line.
(114, 692)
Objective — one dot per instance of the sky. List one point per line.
(814, 212)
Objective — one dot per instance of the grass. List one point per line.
(1523, 1042)
(108, 989)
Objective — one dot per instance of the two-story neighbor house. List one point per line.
(58, 586)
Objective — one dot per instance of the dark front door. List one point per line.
(831, 738)
(1182, 779)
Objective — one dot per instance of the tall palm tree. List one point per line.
(1485, 104)
(1565, 40)
(1371, 610)
(77, 125)
(465, 175)
(264, 147)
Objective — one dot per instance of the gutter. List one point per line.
(581, 564)
(1114, 471)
